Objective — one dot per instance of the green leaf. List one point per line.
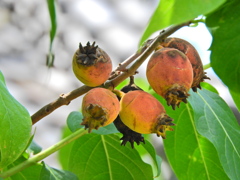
(191, 155)
(236, 97)
(109, 129)
(225, 45)
(122, 84)
(141, 82)
(209, 87)
(34, 148)
(2, 80)
(215, 121)
(52, 13)
(96, 156)
(64, 153)
(172, 12)
(55, 174)
(32, 172)
(75, 119)
(15, 127)
(156, 159)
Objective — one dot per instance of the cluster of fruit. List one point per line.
(172, 70)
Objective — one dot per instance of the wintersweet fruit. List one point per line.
(100, 107)
(91, 65)
(189, 50)
(144, 114)
(128, 134)
(170, 74)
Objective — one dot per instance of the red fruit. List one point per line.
(144, 114)
(91, 65)
(170, 74)
(100, 107)
(188, 49)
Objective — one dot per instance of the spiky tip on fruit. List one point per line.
(95, 117)
(128, 134)
(87, 55)
(201, 79)
(175, 95)
(162, 125)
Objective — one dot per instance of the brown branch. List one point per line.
(122, 66)
(65, 99)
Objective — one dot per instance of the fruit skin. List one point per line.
(142, 113)
(128, 134)
(188, 49)
(100, 107)
(170, 74)
(91, 65)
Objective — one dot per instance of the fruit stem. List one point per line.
(119, 93)
(31, 161)
(206, 66)
(131, 80)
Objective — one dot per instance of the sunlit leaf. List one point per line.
(172, 12)
(191, 155)
(215, 121)
(75, 119)
(52, 13)
(236, 98)
(96, 156)
(15, 126)
(209, 87)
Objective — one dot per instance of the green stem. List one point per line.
(206, 66)
(43, 154)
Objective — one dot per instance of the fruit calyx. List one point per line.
(87, 55)
(201, 79)
(175, 95)
(128, 134)
(163, 124)
(132, 137)
(95, 117)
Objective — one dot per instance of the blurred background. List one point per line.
(116, 26)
